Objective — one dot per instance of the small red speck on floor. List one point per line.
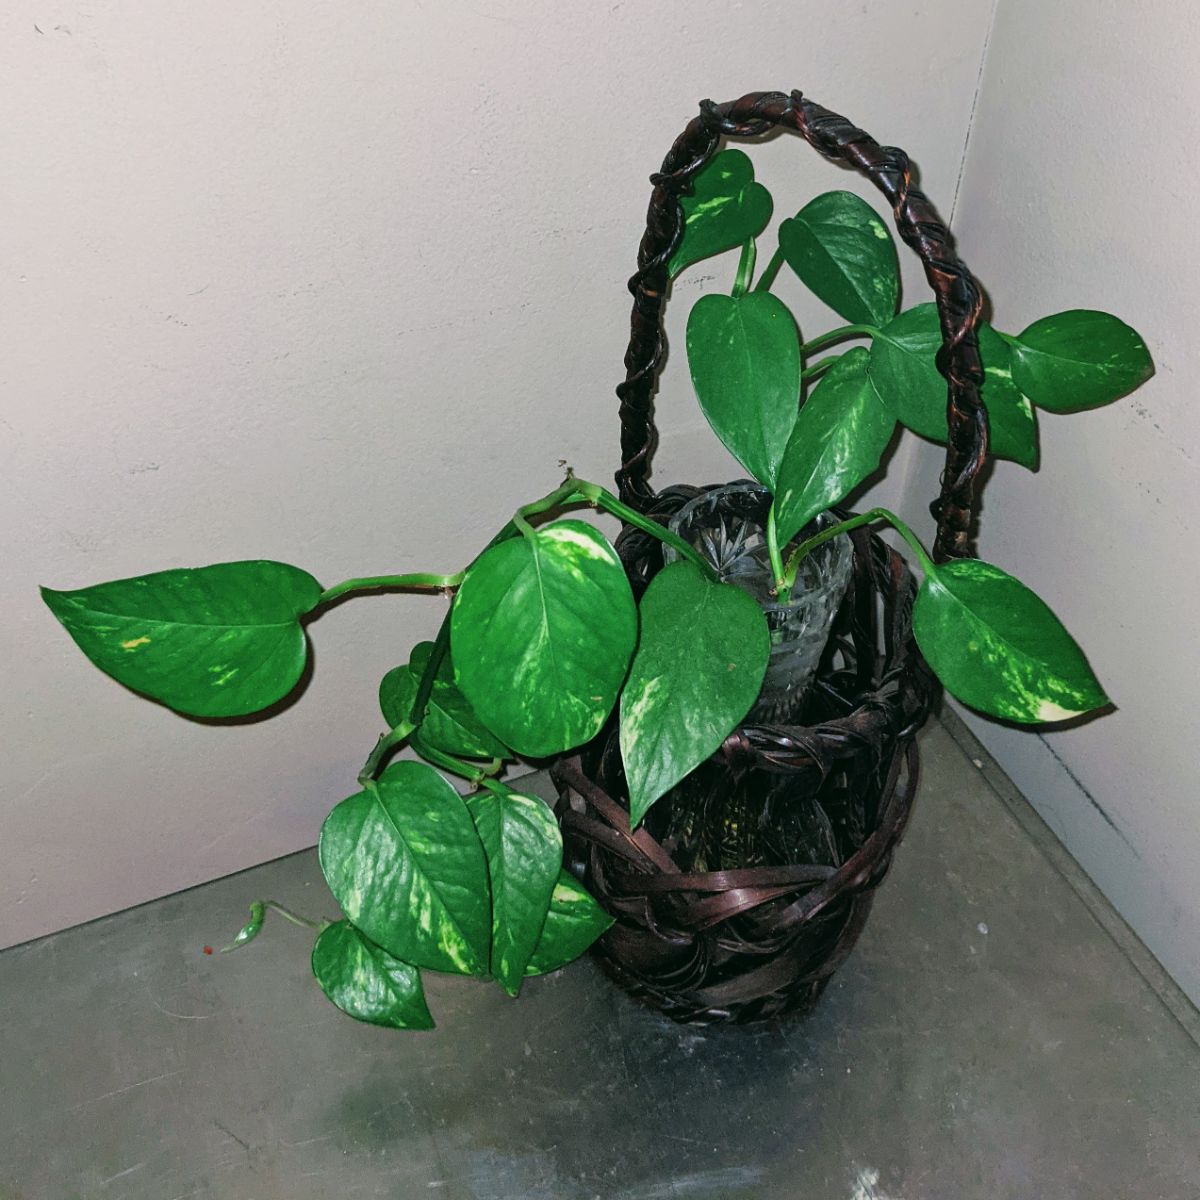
(207, 949)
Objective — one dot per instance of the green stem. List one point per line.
(741, 282)
(781, 589)
(258, 912)
(818, 369)
(560, 496)
(455, 766)
(494, 785)
(867, 518)
(392, 583)
(295, 918)
(386, 744)
(772, 269)
(838, 335)
(593, 493)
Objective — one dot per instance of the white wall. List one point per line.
(1078, 193)
(339, 285)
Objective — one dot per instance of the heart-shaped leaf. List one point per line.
(699, 667)
(903, 370)
(542, 631)
(1078, 360)
(366, 982)
(573, 923)
(744, 355)
(998, 647)
(837, 441)
(524, 854)
(845, 255)
(219, 641)
(725, 209)
(450, 724)
(403, 860)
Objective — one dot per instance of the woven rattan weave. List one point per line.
(750, 881)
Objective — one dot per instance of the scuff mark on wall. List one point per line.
(1143, 413)
(1058, 758)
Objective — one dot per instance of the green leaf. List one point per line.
(251, 929)
(219, 641)
(524, 854)
(698, 669)
(838, 440)
(1078, 360)
(998, 647)
(397, 694)
(450, 724)
(1012, 421)
(573, 923)
(366, 982)
(725, 209)
(744, 355)
(542, 630)
(845, 255)
(903, 371)
(403, 860)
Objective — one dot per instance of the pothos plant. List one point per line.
(543, 638)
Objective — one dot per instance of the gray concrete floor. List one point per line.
(997, 1034)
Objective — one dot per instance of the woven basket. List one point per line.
(750, 881)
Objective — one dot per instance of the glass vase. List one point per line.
(727, 526)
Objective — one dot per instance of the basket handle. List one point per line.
(958, 296)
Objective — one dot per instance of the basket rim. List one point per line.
(896, 706)
(749, 887)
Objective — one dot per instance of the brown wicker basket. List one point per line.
(749, 882)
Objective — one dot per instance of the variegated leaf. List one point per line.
(403, 860)
(366, 982)
(542, 631)
(998, 648)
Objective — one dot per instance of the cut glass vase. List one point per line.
(727, 526)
